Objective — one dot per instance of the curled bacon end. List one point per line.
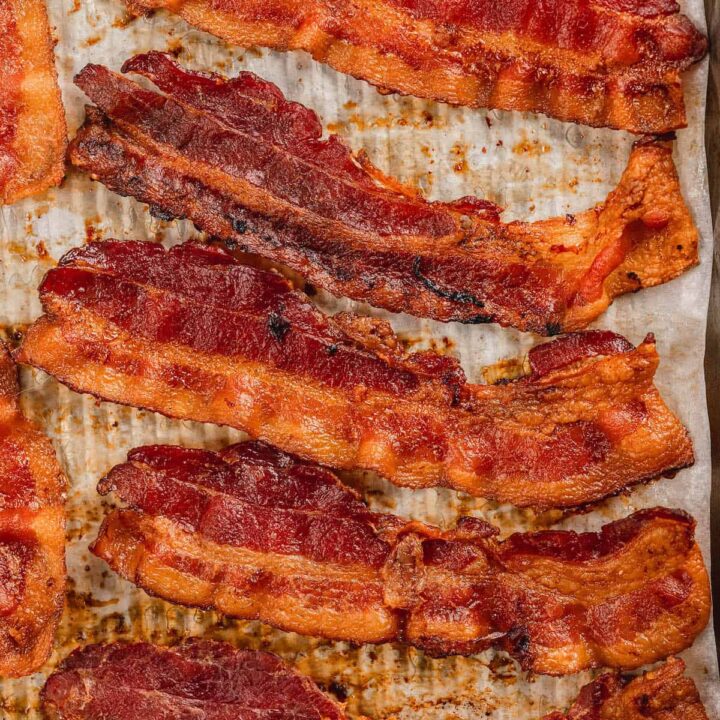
(197, 678)
(257, 534)
(32, 535)
(192, 333)
(33, 135)
(249, 167)
(663, 694)
(605, 63)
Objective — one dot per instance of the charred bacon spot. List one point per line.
(161, 213)
(239, 225)
(453, 295)
(279, 327)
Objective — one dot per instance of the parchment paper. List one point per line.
(533, 166)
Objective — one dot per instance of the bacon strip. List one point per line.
(196, 679)
(33, 135)
(607, 63)
(258, 534)
(251, 168)
(193, 334)
(32, 535)
(663, 694)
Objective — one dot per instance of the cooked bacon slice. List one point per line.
(201, 679)
(258, 534)
(193, 334)
(251, 168)
(32, 122)
(32, 535)
(663, 694)
(614, 63)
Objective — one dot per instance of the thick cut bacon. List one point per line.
(32, 535)
(258, 534)
(251, 168)
(614, 63)
(32, 122)
(193, 334)
(663, 694)
(199, 679)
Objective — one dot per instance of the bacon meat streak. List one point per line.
(32, 535)
(33, 135)
(663, 694)
(193, 334)
(614, 63)
(251, 168)
(202, 679)
(258, 534)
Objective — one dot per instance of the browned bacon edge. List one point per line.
(601, 63)
(258, 534)
(33, 135)
(193, 334)
(662, 694)
(247, 166)
(32, 535)
(197, 678)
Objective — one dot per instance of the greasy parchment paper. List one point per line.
(533, 166)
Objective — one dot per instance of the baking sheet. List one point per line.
(533, 166)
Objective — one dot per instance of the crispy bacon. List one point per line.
(614, 63)
(32, 535)
(201, 679)
(258, 534)
(251, 168)
(32, 122)
(193, 334)
(663, 694)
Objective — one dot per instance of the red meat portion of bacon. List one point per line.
(198, 678)
(255, 497)
(191, 333)
(251, 168)
(614, 63)
(557, 601)
(32, 535)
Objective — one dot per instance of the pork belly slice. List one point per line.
(33, 136)
(258, 534)
(193, 334)
(606, 63)
(195, 679)
(663, 694)
(249, 167)
(32, 535)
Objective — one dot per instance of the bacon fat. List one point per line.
(258, 534)
(614, 63)
(32, 535)
(663, 694)
(198, 678)
(193, 334)
(33, 135)
(247, 166)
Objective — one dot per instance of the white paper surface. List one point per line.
(533, 166)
